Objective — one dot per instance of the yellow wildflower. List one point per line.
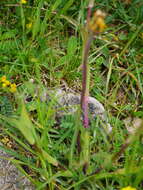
(23, 1)
(7, 83)
(97, 23)
(3, 79)
(29, 25)
(13, 87)
(128, 188)
(7, 142)
(4, 85)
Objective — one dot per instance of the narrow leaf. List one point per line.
(49, 158)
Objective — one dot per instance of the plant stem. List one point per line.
(86, 69)
(85, 82)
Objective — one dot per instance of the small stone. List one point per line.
(69, 103)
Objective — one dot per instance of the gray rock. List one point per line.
(69, 103)
(10, 177)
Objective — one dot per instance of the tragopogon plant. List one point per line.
(94, 26)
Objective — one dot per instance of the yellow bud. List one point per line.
(13, 87)
(5, 140)
(29, 25)
(3, 79)
(129, 188)
(23, 1)
(97, 23)
(100, 24)
(7, 83)
(4, 85)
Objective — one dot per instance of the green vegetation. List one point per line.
(41, 44)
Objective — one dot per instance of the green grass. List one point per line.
(50, 53)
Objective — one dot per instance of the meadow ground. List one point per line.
(41, 45)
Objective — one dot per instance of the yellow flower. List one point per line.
(29, 25)
(7, 83)
(23, 1)
(3, 79)
(6, 141)
(97, 24)
(128, 188)
(13, 87)
(4, 85)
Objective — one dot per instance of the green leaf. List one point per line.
(67, 6)
(66, 173)
(25, 126)
(72, 46)
(49, 158)
(56, 4)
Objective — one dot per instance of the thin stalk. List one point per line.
(93, 26)
(83, 138)
(86, 69)
(85, 82)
